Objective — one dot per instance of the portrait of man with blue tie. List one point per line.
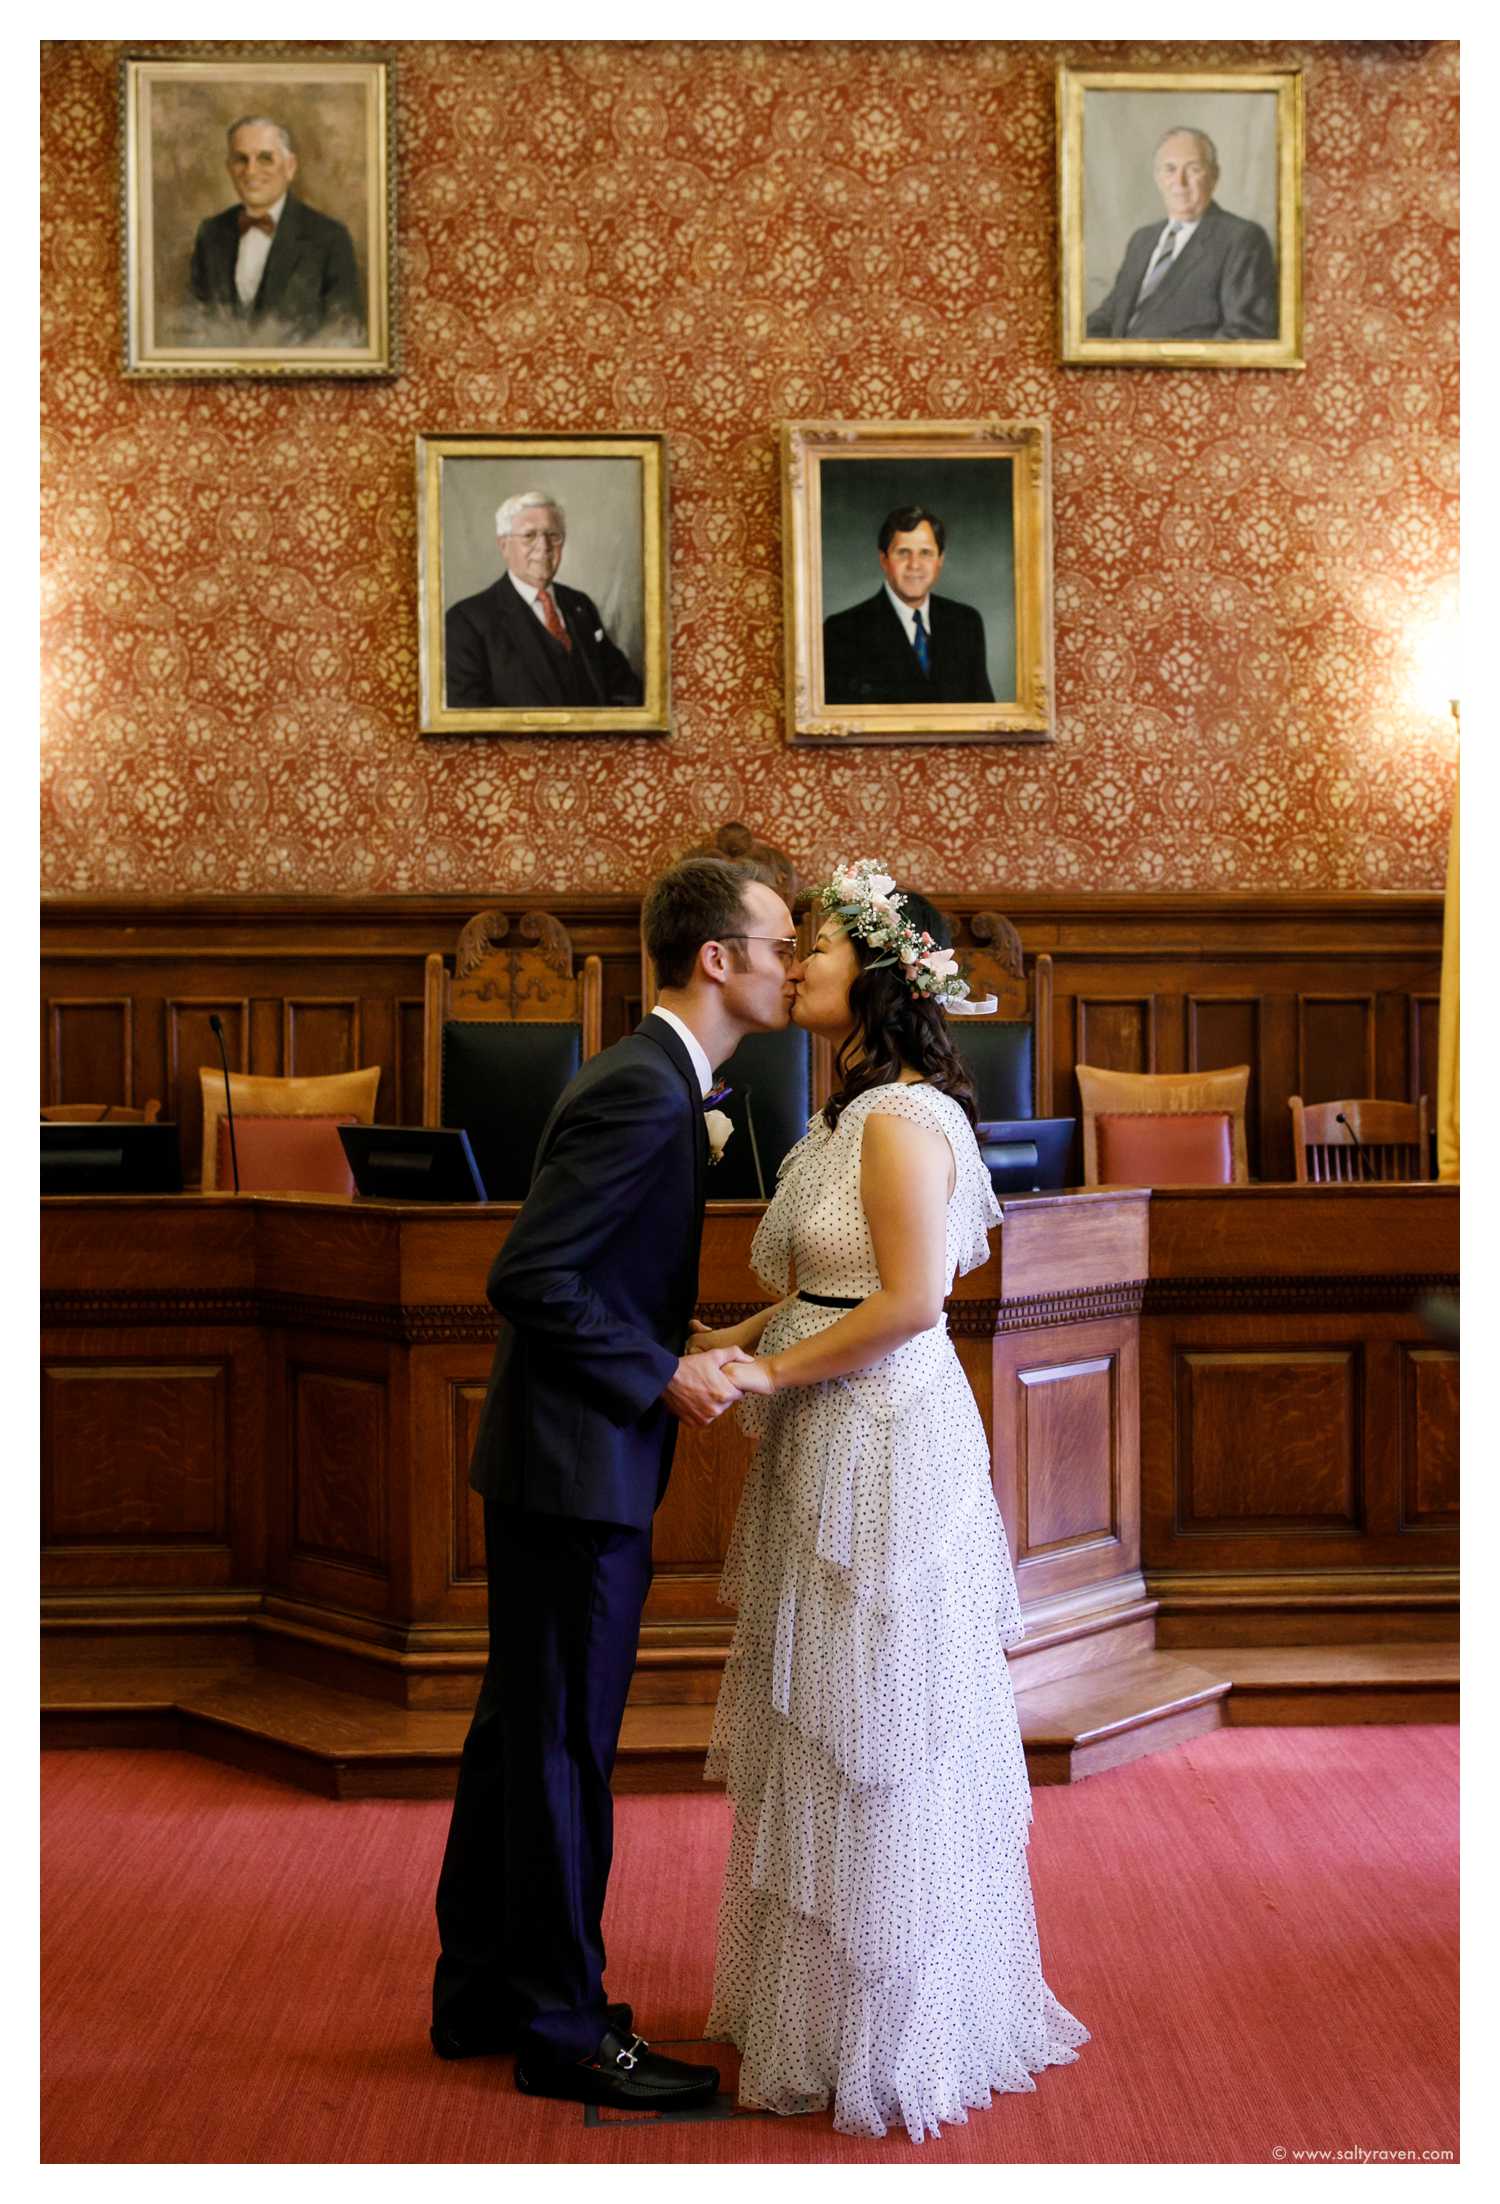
(905, 644)
(1201, 275)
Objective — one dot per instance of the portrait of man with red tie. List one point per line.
(529, 640)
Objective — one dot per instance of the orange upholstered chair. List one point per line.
(286, 1155)
(1164, 1148)
(1181, 1144)
(1356, 1141)
(346, 1097)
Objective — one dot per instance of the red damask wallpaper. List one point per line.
(710, 239)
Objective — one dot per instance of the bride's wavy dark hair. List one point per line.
(894, 1028)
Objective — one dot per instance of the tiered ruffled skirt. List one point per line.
(877, 1939)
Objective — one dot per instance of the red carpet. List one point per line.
(1260, 1928)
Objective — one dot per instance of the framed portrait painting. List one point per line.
(259, 208)
(1180, 215)
(542, 569)
(918, 581)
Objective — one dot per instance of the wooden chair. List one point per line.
(1010, 1051)
(1191, 1129)
(346, 1096)
(502, 1036)
(772, 1076)
(99, 1113)
(1355, 1141)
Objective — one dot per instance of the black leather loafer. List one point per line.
(493, 2043)
(625, 2072)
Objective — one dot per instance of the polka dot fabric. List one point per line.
(877, 1939)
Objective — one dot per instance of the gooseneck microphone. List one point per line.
(1340, 1119)
(216, 1028)
(760, 1176)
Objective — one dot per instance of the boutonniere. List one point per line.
(715, 1123)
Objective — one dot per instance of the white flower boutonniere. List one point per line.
(718, 1128)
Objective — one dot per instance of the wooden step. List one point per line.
(343, 1745)
(1100, 1718)
(1277, 1685)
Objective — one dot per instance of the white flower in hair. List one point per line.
(865, 900)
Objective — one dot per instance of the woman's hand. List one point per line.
(751, 1373)
(701, 1339)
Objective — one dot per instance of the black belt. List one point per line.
(828, 1301)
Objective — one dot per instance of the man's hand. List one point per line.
(703, 1388)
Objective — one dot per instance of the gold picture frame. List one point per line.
(323, 301)
(486, 664)
(1231, 295)
(985, 668)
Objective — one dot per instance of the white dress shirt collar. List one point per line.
(525, 588)
(691, 1043)
(908, 614)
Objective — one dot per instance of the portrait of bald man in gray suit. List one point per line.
(1200, 274)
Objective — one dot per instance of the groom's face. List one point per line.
(759, 992)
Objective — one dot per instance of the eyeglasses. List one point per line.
(553, 536)
(785, 945)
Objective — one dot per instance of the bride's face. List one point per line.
(828, 971)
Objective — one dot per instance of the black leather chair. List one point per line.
(503, 1036)
(771, 1078)
(499, 1085)
(1010, 1052)
(1001, 1056)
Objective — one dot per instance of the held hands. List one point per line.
(706, 1384)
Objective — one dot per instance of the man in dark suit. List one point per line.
(596, 1285)
(1202, 274)
(528, 640)
(272, 265)
(904, 645)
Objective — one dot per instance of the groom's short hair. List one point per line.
(701, 899)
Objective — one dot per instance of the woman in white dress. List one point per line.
(877, 1939)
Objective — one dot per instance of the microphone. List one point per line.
(1340, 1119)
(760, 1176)
(216, 1028)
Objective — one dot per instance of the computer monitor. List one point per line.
(100, 1158)
(412, 1162)
(1027, 1155)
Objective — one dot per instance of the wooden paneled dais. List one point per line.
(134, 1452)
(1228, 1401)
(339, 1473)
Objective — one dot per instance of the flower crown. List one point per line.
(866, 902)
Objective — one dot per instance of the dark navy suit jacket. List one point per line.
(498, 652)
(867, 659)
(310, 278)
(597, 1284)
(1222, 284)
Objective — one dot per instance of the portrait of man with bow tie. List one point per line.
(293, 276)
(280, 272)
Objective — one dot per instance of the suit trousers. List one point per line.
(521, 1893)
